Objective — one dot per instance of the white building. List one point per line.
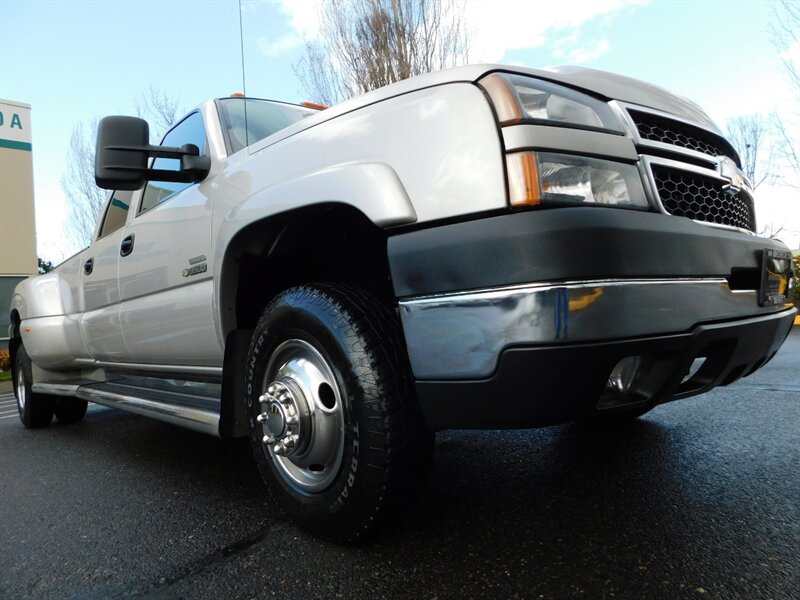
(17, 218)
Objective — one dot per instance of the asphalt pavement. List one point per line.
(697, 499)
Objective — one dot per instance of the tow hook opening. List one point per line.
(696, 365)
(624, 384)
(706, 368)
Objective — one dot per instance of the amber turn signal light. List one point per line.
(523, 179)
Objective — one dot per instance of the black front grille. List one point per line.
(677, 133)
(686, 194)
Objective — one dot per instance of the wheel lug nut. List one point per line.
(290, 441)
(279, 449)
(262, 417)
(263, 398)
(268, 439)
(272, 389)
(291, 420)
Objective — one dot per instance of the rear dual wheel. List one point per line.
(35, 409)
(334, 426)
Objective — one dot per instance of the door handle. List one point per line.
(88, 266)
(127, 246)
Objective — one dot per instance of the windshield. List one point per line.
(263, 119)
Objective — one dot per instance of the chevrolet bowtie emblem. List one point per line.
(728, 170)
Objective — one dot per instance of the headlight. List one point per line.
(518, 99)
(545, 178)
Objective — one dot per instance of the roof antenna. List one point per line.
(244, 81)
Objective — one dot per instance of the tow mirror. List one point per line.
(123, 149)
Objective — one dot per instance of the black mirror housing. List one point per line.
(121, 153)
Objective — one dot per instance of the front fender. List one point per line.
(374, 189)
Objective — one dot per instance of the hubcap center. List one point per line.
(284, 407)
(276, 423)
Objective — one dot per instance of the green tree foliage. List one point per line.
(45, 266)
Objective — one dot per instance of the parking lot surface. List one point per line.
(697, 499)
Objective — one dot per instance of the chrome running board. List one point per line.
(199, 412)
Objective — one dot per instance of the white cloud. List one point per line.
(792, 53)
(303, 16)
(777, 210)
(249, 7)
(588, 53)
(287, 42)
(500, 26)
(503, 25)
(52, 214)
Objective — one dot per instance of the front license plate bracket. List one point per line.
(775, 265)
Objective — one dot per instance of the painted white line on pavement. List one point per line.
(10, 417)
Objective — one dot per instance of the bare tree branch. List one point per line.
(785, 30)
(750, 135)
(84, 199)
(788, 150)
(159, 110)
(366, 44)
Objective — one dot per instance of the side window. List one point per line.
(116, 212)
(188, 131)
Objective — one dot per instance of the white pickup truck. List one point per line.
(484, 247)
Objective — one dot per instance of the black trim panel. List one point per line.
(541, 386)
(566, 244)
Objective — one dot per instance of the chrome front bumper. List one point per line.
(461, 335)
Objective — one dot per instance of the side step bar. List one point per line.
(196, 412)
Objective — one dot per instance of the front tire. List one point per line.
(35, 410)
(334, 426)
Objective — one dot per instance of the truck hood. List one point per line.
(609, 86)
(626, 89)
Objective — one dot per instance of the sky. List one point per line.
(75, 62)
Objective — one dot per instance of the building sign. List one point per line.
(15, 125)
(17, 220)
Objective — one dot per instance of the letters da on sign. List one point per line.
(15, 123)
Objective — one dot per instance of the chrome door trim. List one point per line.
(189, 371)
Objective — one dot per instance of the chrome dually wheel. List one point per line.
(302, 416)
(22, 393)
